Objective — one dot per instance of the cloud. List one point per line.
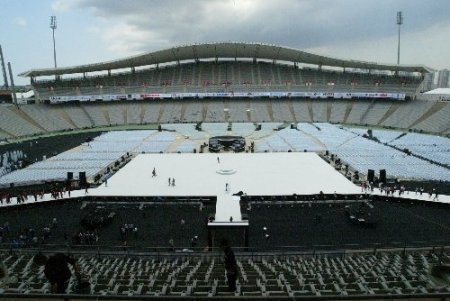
(127, 39)
(64, 5)
(421, 47)
(135, 26)
(20, 21)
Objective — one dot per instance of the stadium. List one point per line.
(329, 178)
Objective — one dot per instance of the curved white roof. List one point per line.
(234, 50)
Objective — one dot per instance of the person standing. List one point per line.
(230, 265)
(171, 245)
(58, 273)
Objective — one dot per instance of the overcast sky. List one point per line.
(98, 30)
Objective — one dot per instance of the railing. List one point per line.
(158, 252)
(429, 297)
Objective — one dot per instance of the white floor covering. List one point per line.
(203, 175)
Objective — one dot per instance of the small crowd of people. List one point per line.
(367, 186)
(85, 238)
(392, 190)
(126, 230)
(56, 190)
(401, 190)
(28, 236)
(22, 197)
(433, 191)
(171, 181)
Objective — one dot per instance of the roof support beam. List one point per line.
(175, 57)
(216, 56)
(256, 53)
(278, 53)
(194, 51)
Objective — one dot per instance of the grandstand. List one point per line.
(297, 205)
(242, 69)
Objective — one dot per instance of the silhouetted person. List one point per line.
(230, 265)
(57, 271)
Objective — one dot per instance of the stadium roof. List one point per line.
(224, 50)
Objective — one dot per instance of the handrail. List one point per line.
(101, 250)
(67, 297)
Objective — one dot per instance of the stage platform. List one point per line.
(208, 175)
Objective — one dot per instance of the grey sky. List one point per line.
(320, 25)
(102, 30)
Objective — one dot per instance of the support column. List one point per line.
(2, 61)
(13, 88)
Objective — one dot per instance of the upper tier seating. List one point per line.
(228, 76)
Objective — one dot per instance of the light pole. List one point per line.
(399, 23)
(53, 26)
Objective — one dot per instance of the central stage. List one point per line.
(209, 174)
(205, 175)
